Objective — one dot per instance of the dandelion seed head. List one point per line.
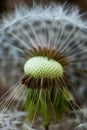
(52, 44)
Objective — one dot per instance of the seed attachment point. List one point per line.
(42, 67)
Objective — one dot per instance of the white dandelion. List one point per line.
(44, 49)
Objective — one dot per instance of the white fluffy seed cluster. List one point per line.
(13, 121)
(52, 12)
(42, 67)
(54, 18)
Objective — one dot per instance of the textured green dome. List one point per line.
(42, 67)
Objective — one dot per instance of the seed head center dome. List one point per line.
(42, 67)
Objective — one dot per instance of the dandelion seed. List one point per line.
(52, 45)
